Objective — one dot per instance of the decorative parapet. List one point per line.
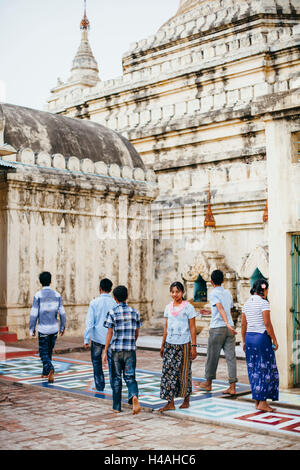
(57, 161)
(209, 18)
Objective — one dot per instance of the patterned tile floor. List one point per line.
(76, 376)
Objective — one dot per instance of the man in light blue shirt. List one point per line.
(221, 334)
(96, 332)
(47, 303)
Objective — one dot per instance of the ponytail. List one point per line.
(259, 287)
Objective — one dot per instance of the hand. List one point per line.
(162, 351)
(194, 353)
(104, 359)
(86, 346)
(62, 332)
(276, 345)
(33, 333)
(231, 329)
(244, 347)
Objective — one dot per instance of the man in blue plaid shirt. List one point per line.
(123, 323)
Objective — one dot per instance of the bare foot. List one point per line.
(204, 386)
(136, 408)
(51, 377)
(229, 391)
(256, 404)
(186, 403)
(169, 406)
(265, 408)
(115, 411)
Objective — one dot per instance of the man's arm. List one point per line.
(89, 323)
(109, 336)
(34, 313)
(224, 317)
(62, 316)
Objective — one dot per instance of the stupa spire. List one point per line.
(84, 68)
(85, 24)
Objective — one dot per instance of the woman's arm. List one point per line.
(244, 329)
(269, 327)
(164, 338)
(192, 325)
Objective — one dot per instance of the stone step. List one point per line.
(8, 337)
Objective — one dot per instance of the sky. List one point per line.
(39, 39)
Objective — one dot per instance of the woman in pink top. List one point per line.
(178, 349)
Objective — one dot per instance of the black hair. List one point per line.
(217, 277)
(120, 293)
(45, 278)
(106, 285)
(178, 285)
(258, 287)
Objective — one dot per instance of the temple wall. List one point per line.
(79, 226)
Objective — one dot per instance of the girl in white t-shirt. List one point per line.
(259, 343)
(178, 349)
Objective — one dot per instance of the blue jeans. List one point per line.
(124, 362)
(96, 356)
(46, 345)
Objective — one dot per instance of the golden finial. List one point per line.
(209, 220)
(85, 24)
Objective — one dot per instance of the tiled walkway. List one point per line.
(76, 377)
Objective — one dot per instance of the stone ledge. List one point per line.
(42, 159)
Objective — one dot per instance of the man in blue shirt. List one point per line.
(221, 334)
(47, 303)
(96, 332)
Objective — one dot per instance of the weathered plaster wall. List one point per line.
(80, 227)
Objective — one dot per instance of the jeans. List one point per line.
(96, 356)
(220, 338)
(124, 362)
(46, 345)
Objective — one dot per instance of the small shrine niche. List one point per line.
(200, 290)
